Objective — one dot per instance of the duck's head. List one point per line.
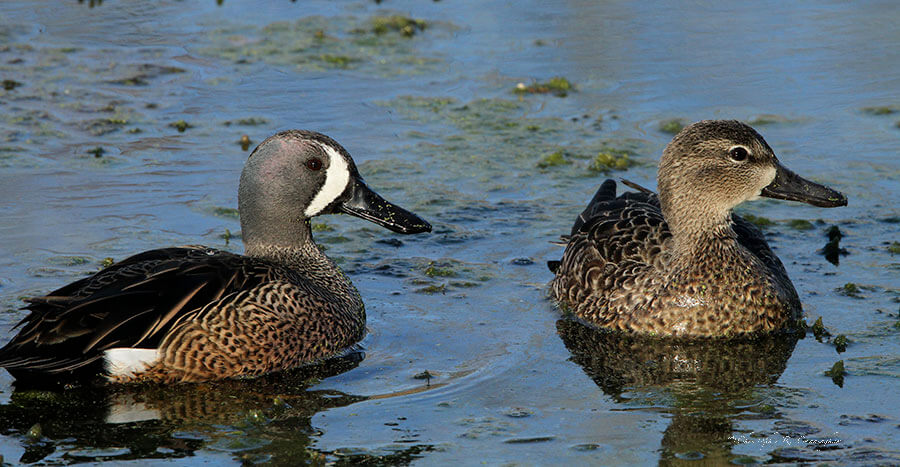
(713, 165)
(295, 175)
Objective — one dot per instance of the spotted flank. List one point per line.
(681, 263)
(191, 314)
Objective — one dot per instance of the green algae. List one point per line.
(800, 224)
(837, 373)
(771, 119)
(558, 86)
(611, 159)
(249, 121)
(850, 290)
(339, 61)
(818, 329)
(759, 221)
(180, 125)
(142, 74)
(840, 343)
(894, 248)
(34, 433)
(321, 227)
(434, 269)
(103, 125)
(433, 289)
(672, 126)
(226, 212)
(381, 45)
(880, 110)
(553, 159)
(69, 260)
(9, 85)
(404, 25)
(501, 142)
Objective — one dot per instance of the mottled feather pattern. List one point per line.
(616, 273)
(213, 314)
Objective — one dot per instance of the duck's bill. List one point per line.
(790, 186)
(366, 204)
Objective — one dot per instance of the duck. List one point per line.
(681, 263)
(194, 314)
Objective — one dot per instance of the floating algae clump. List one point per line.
(181, 125)
(850, 289)
(800, 224)
(880, 110)
(611, 159)
(397, 23)
(837, 373)
(759, 221)
(558, 86)
(840, 343)
(553, 159)
(672, 126)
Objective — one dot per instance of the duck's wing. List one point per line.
(630, 226)
(132, 303)
(751, 238)
(612, 240)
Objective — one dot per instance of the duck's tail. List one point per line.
(606, 192)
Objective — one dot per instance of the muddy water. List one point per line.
(119, 131)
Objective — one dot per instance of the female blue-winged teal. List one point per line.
(681, 263)
(194, 313)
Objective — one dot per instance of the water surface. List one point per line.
(465, 360)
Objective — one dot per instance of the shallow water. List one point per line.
(465, 359)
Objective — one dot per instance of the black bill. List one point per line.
(790, 186)
(366, 204)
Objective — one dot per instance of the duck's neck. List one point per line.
(300, 253)
(697, 228)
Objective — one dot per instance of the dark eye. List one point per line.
(738, 153)
(314, 164)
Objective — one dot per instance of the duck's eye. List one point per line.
(738, 153)
(314, 163)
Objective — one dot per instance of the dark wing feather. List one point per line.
(753, 240)
(628, 227)
(612, 240)
(132, 303)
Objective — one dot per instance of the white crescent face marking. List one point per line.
(337, 176)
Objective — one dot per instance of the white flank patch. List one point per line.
(127, 362)
(336, 178)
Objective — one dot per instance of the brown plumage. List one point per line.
(194, 313)
(682, 263)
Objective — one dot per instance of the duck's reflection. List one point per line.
(265, 419)
(703, 384)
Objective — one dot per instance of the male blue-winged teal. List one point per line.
(191, 314)
(681, 263)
